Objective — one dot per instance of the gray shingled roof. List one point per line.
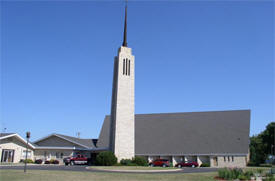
(215, 132)
(5, 134)
(86, 142)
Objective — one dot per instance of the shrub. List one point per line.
(28, 160)
(118, 164)
(269, 177)
(221, 172)
(47, 162)
(140, 161)
(39, 161)
(133, 164)
(249, 174)
(251, 164)
(205, 165)
(125, 162)
(230, 174)
(242, 177)
(260, 171)
(236, 172)
(265, 165)
(106, 158)
(55, 162)
(51, 161)
(136, 161)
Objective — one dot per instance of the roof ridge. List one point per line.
(73, 137)
(191, 112)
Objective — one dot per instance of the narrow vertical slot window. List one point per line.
(129, 67)
(123, 66)
(126, 66)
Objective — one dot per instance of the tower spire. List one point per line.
(125, 27)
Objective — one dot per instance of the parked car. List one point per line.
(76, 160)
(160, 162)
(187, 164)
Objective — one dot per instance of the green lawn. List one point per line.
(132, 168)
(43, 175)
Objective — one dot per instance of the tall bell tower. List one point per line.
(122, 137)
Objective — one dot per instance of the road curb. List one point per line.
(135, 171)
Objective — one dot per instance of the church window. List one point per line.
(129, 68)
(126, 66)
(123, 66)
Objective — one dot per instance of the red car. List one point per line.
(78, 160)
(160, 162)
(187, 164)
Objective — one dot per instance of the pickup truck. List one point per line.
(76, 160)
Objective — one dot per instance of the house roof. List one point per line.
(86, 143)
(9, 135)
(191, 133)
(5, 134)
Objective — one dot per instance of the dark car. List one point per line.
(187, 164)
(160, 162)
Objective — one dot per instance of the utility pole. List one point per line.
(28, 135)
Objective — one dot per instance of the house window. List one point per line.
(61, 155)
(232, 158)
(224, 159)
(24, 154)
(228, 159)
(7, 155)
(57, 155)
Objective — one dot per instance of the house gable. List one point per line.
(14, 141)
(55, 141)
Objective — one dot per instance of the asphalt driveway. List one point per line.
(83, 168)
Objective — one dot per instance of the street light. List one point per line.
(28, 135)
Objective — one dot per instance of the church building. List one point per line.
(219, 138)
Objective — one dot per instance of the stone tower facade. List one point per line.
(123, 102)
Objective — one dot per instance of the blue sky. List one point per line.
(57, 61)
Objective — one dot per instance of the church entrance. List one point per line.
(93, 158)
(215, 161)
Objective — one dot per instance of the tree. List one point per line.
(262, 145)
(268, 138)
(257, 155)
